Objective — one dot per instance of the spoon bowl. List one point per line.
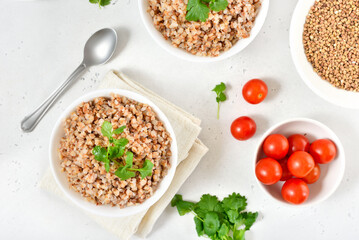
(100, 47)
(98, 50)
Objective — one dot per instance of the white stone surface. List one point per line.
(41, 43)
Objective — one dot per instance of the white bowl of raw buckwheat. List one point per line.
(215, 34)
(325, 54)
(113, 152)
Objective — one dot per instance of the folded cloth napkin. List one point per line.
(190, 152)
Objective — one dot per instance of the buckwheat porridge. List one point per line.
(218, 34)
(147, 140)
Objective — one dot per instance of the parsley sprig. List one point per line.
(218, 220)
(221, 97)
(101, 3)
(115, 150)
(198, 10)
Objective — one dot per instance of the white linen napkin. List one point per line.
(190, 152)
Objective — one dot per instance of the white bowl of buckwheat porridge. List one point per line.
(222, 35)
(113, 184)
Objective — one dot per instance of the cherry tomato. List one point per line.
(276, 146)
(323, 151)
(295, 191)
(313, 176)
(298, 142)
(243, 128)
(285, 171)
(268, 171)
(300, 164)
(255, 91)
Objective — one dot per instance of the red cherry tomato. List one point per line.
(276, 146)
(298, 142)
(295, 191)
(268, 171)
(300, 164)
(285, 171)
(323, 151)
(255, 91)
(313, 176)
(243, 128)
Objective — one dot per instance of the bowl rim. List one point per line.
(338, 144)
(95, 209)
(320, 87)
(184, 55)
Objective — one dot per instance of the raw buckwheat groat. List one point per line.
(331, 38)
(148, 139)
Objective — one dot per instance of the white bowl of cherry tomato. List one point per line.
(299, 162)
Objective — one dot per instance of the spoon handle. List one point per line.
(29, 122)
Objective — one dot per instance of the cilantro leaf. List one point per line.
(234, 202)
(232, 215)
(123, 173)
(184, 207)
(120, 142)
(107, 165)
(211, 223)
(223, 231)
(218, 220)
(219, 88)
(197, 11)
(100, 153)
(221, 97)
(218, 5)
(129, 159)
(106, 129)
(250, 218)
(119, 130)
(104, 2)
(208, 203)
(199, 226)
(176, 199)
(101, 3)
(146, 169)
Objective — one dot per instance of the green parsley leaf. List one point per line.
(221, 97)
(211, 223)
(223, 231)
(218, 5)
(176, 199)
(197, 11)
(146, 169)
(234, 202)
(100, 153)
(199, 226)
(123, 173)
(119, 130)
(106, 129)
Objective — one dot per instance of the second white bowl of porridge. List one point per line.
(85, 180)
(223, 35)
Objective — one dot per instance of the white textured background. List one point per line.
(41, 43)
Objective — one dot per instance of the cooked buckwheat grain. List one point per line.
(148, 139)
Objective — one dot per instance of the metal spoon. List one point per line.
(98, 50)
